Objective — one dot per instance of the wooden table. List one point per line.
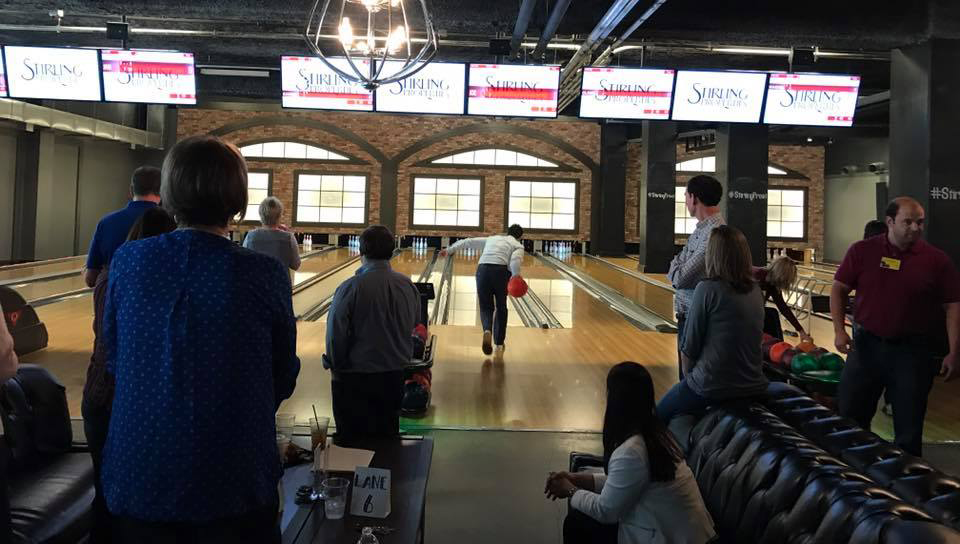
(407, 458)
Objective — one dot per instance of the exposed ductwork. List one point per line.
(556, 15)
(520, 29)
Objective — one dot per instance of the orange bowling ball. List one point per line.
(517, 287)
(777, 351)
(806, 347)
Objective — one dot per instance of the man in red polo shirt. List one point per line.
(906, 289)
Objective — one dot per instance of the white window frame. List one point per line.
(519, 197)
(468, 195)
(255, 195)
(495, 156)
(320, 182)
(775, 213)
(290, 150)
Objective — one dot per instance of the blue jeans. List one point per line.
(680, 399)
(96, 422)
(492, 282)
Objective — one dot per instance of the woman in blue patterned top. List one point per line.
(201, 337)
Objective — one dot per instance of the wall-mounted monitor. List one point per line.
(439, 87)
(724, 97)
(513, 90)
(811, 99)
(307, 82)
(53, 72)
(626, 93)
(151, 77)
(3, 77)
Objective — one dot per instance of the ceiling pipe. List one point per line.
(559, 10)
(520, 29)
(607, 54)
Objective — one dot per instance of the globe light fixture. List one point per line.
(368, 34)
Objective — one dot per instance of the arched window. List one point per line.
(709, 164)
(289, 150)
(495, 157)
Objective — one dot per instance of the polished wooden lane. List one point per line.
(40, 268)
(321, 262)
(464, 309)
(40, 289)
(656, 299)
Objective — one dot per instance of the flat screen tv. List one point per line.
(811, 99)
(725, 97)
(626, 93)
(439, 87)
(307, 82)
(56, 73)
(149, 77)
(513, 90)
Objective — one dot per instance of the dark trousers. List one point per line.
(96, 421)
(771, 323)
(580, 528)
(681, 323)
(260, 525)
(6, 531)
(367, 405)
(680, 399)
(904, 369)
(492, 282)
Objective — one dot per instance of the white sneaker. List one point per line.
(498, 351)
(487, 342)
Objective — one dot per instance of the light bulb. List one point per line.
(346, 32)
(397, 38)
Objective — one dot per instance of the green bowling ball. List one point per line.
(831, 361)
(804, 362)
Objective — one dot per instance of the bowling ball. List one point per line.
(517, 287)
(803, 362)
(786, 360)
(420, 331)
(806, 347)
(777, 351)
(819, 352)
(831, 361)
(416, 398)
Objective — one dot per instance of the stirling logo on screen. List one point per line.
(625, 93)
(314, 82)
(422, 87)
(820, 101)
(147, 75)
(61, 74)
(719, 97)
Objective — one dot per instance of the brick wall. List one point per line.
(391, 134)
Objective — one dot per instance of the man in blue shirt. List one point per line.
(112, 230)
(369, 341)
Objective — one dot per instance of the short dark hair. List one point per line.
(516, 231)
(153, 222)
(376, 242)
(204, 182)
(145, 181)
(894, 207)
(875, 227)
(706, 189)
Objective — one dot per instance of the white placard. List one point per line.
(439, 87)
(151, 77)
(811, 99)
(52, 72)
(3, 77)
(626, 93)
(371, 493)
(735, 97)
(513, 90)
(307, 82)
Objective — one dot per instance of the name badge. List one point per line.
(890, 263)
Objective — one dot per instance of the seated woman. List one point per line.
(272, 238)
(777, 277)
(646, 485)
(200, 336)
(721, 347)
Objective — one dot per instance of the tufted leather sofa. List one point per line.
(909, 477)
(49, 483)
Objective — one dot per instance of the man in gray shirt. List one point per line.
(687, 268)
(369, 341)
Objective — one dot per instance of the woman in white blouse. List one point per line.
(646, 486)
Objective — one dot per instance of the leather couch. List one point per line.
(911, 478)
(49, 482)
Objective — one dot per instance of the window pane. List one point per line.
(680, 210)
(793, 198)
(791, 230)
(543, 205)
(540, 220)
(773, 213)
(308, 214)
(526, 160)
(446, 202)
(691, 225)
(709, 164)
(316, 153)
(308, 198)
(444, 160)
(331, 198)
(485, 156)
(294, 150)
(791, 213)
(519, 188)
(468, 219)
(776, 171)
(522, 219)
(258, 180)
(309, 182)
(678, 226)
(421, 202)
(506, 158)
(519, 204)
(773, 197)
(563, 222)
(256, 196)
(255, 150)
(565, 190)
(353, 200)
(357, 184)
(469, 187)
(539, 188)
(469, 203)
(273, 149)
(330, 215)
(425, 185)
(681, 194)
(773, 229)
(463, 158)
(336, 156)
(423, 217)
(563, 205)
(548, 164)
(447, 186)
(253, 212)
(446, 218)
(692, 165)
(353, 215)
(332, 183)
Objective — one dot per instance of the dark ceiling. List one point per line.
(256, 33)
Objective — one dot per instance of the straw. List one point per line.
(316, 417)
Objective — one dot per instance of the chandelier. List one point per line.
(382, 34)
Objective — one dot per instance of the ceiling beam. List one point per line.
(520, 29)
(559, 10)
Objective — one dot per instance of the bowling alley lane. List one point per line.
(40, 268)
(655, 298)
(39, 289)
(320, 262)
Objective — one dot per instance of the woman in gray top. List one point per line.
(272, 238)
(721, 347)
